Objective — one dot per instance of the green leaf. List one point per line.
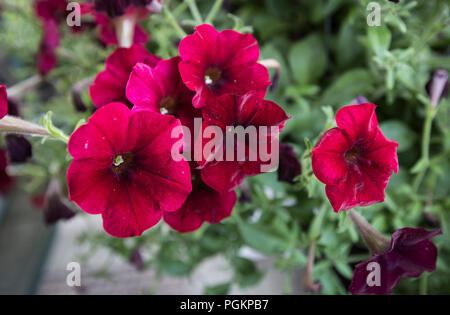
(379, 39)
(260, 239)
(308, 59)
(347, 86)
(220, 289)
(399, 132)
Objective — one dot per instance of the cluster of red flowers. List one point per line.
(123, 168)
(105, 14)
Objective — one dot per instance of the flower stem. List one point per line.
(171, 19)
(125, 30)
(194, 11)
(17, 125)
(20, 88)
(423, 288)
(426, 136)
(213, 12)
(376, 243)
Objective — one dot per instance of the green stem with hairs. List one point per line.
(171, 19)
(213, 12)
(194, 11)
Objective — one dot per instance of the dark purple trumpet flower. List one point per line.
(409, 254)
(19, 148)
(289, 166)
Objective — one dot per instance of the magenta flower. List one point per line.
(109, 85)
(161, 89)
(240, 111)
(410, 254)
(109, 12)
(123, 169)
(215, 63)
(355, 160)
(204, 204)
(107, 31)
(3, 101)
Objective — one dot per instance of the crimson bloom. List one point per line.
(123, 169)
(215, 63)
(161, 89)
(110, 13)
(109, 85)
(3, 101)
(410, 254)
(355, 160)
(246, 112)
(204, 204)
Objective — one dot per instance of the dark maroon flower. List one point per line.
(136, 260)
(223, 170)
(216, 63)
(19, 148)
(6, 181)
(289, 166)
(409, 255)
(56, 210)
(3, 101)
(110, 85)
(355, 160)
(203, 204)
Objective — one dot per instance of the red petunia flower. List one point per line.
(215, 63)
(108, 34)
(123, 169)
(247, 112)
(204, 204)
(3, 101)
(410, 254)
(355, 160)
(161, 89)
(109, 85)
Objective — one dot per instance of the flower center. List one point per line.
(352, 154)
(212, 76)
(122, 162)
(168, 105)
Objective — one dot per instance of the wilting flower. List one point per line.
(136, 260)
(53, 205)
(118, 20)
(355, 160)
(109, 85)
(161, 89)
(3, 101)
(6, 181)
(123, 169)
(409, 254)
(204, 204)
(19, 148)
(115, 8)
(215, 63)
(247, 112)
(290, 166)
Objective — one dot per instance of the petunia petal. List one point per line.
(328, 161)
(359, 121)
